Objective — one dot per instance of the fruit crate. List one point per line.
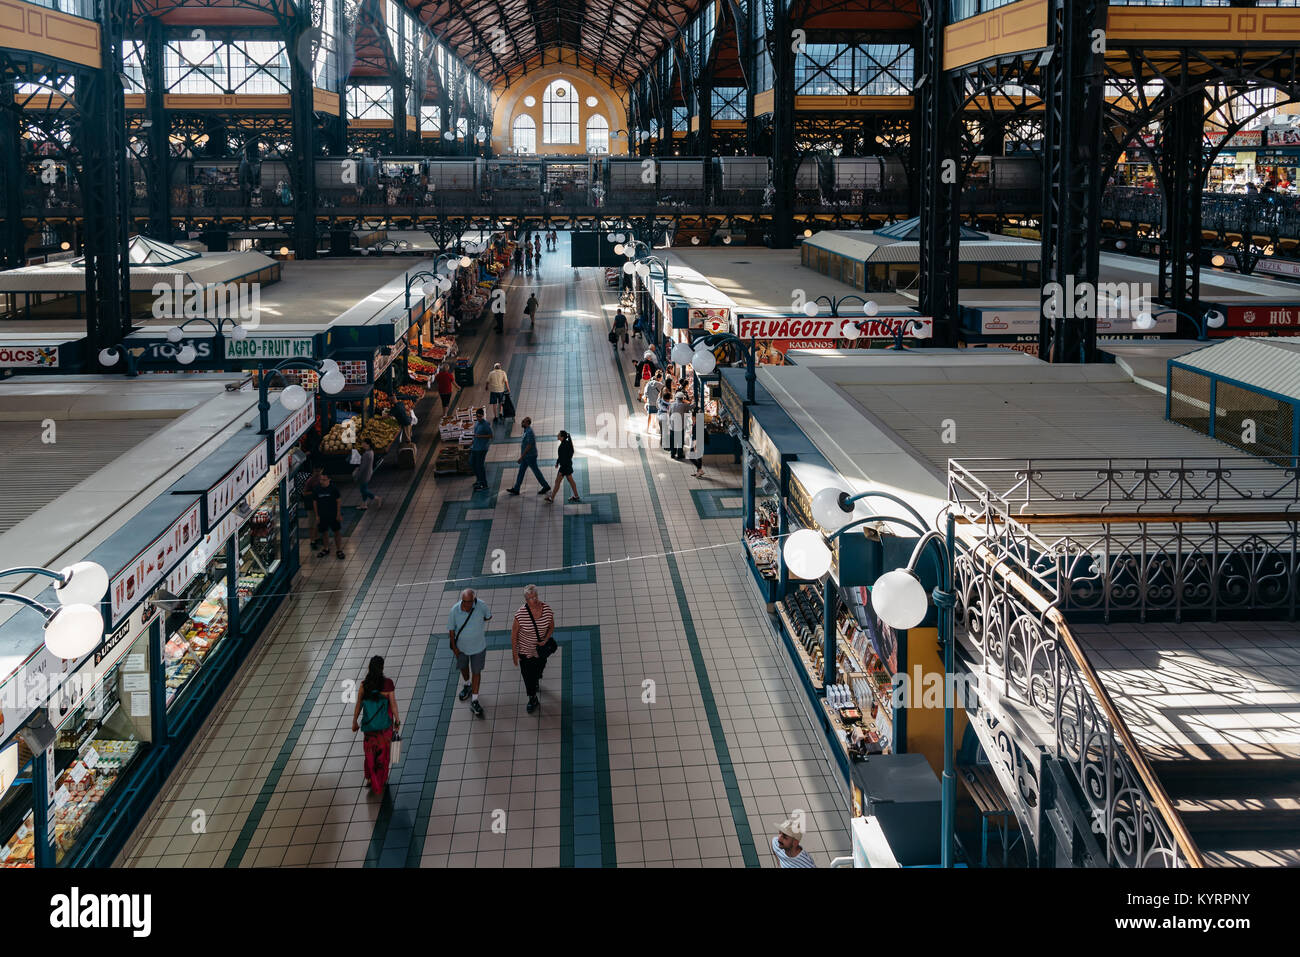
(451, 460)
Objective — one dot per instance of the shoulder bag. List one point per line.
(543, 651)
(464, 623)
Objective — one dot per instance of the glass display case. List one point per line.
(97, 743)
(259, 548)
(16, 820)
(196, 622)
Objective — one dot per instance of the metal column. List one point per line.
(13, 239)
(783, 167)
(158, 174)
(1072, 170)
(302, 163)
(1180, 244)
(940, 180)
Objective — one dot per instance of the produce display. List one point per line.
(341, 438)
(414, 392)
(186, 649)
(381, 431)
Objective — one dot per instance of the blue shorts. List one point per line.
(494, 398)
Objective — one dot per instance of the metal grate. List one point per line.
(36, 472)
(1255, 423)
(1189, 399)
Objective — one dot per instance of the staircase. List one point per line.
(1241, 813)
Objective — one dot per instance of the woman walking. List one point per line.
(376, 715)
(365, 472)
(532, 641)
(564, 464)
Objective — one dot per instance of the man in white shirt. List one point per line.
(498, 385)
(466, 628)
(786, 846)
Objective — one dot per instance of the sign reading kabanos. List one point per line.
(881, 327)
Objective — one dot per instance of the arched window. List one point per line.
(524, 134)
(597, 134)
(560, 114)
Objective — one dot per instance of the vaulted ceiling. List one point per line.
(503, 39)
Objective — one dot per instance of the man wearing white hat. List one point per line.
(786, 846)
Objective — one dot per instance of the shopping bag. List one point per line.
(414, 419)
(354, 458)
(395, 751)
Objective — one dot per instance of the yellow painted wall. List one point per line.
(510, 103)
(25, 26)
(925, 724)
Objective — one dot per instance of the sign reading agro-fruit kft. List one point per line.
(289, 347)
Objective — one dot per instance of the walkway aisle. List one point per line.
(670, 733)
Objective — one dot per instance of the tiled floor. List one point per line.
(671, 731)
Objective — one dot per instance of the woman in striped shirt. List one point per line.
(533, 628)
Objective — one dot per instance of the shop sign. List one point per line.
(292, 347)
(1288, 136)
(289, 431)
(29, 357)
(1244, 138)
(237, 483)
(150, 567)
(1226, 333)
(1005, 322)
(1279, 267)
(710, 319)
(800, 503)
(1166, 322)
(157, 349)
(269, 482)
(1026, 344)
(1259, 317)
(883, 327)
(764, 448)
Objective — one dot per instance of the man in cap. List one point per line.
(787, 848)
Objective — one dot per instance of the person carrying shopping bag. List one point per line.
(375, 715)
(532, 641)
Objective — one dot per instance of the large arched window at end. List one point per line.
(523, 134)
(560, 114)
(597, 134)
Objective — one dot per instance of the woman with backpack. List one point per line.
(376, 716)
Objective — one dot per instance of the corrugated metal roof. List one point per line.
(1272, 364)
(868, 246)
(36, 472)
(70, 277)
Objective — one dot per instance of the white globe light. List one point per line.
(629, 267)
(1120, 244)
(1144, 320)
(465, 262)
(704, 361)
(108, 357)
(85, 583)
(849, 330)
(187, 354)
(74, 631)
(293, 397)
(869, 308)
(327, 366)
(175, 334)
(682, 354)
(1214, 319)
(811, 308)
(806, 555)
(643, 270)
(695, 240)
(726, 240)
(827, 511)
(899, 599)
(428, 289)
(444, 283)
(449, 135)
(618, 249)
(609, 237)
(620, 238)
(333, 382)
(238, 333)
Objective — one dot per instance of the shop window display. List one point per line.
(196, 623)
(19, 847)
(97, 743)
(259, 548)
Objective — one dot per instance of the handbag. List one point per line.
(543, 651)
(414, 419)
(395, 750)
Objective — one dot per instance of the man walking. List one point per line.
(528, 460)
(326, 500)
(466, 629)
(479, 450)
(679, 414)
(530, 309)
(445, 383)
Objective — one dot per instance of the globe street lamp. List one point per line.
(898, 598)
(294, 396)
(76, 627)
(1212, 319)
(434, 284)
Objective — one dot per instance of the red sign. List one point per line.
(1259, 317)
(880, 327)
(1226, 333)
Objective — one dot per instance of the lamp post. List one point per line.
(1212, 319)
(108, 358)
(869, 308)
(294, 396)
(701, 359)
(76, 627)
(898, 597)
(903, 325)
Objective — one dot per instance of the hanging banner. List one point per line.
(794, 327)
(149, 568)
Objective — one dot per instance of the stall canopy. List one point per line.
(151, 262)
(901, 243)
